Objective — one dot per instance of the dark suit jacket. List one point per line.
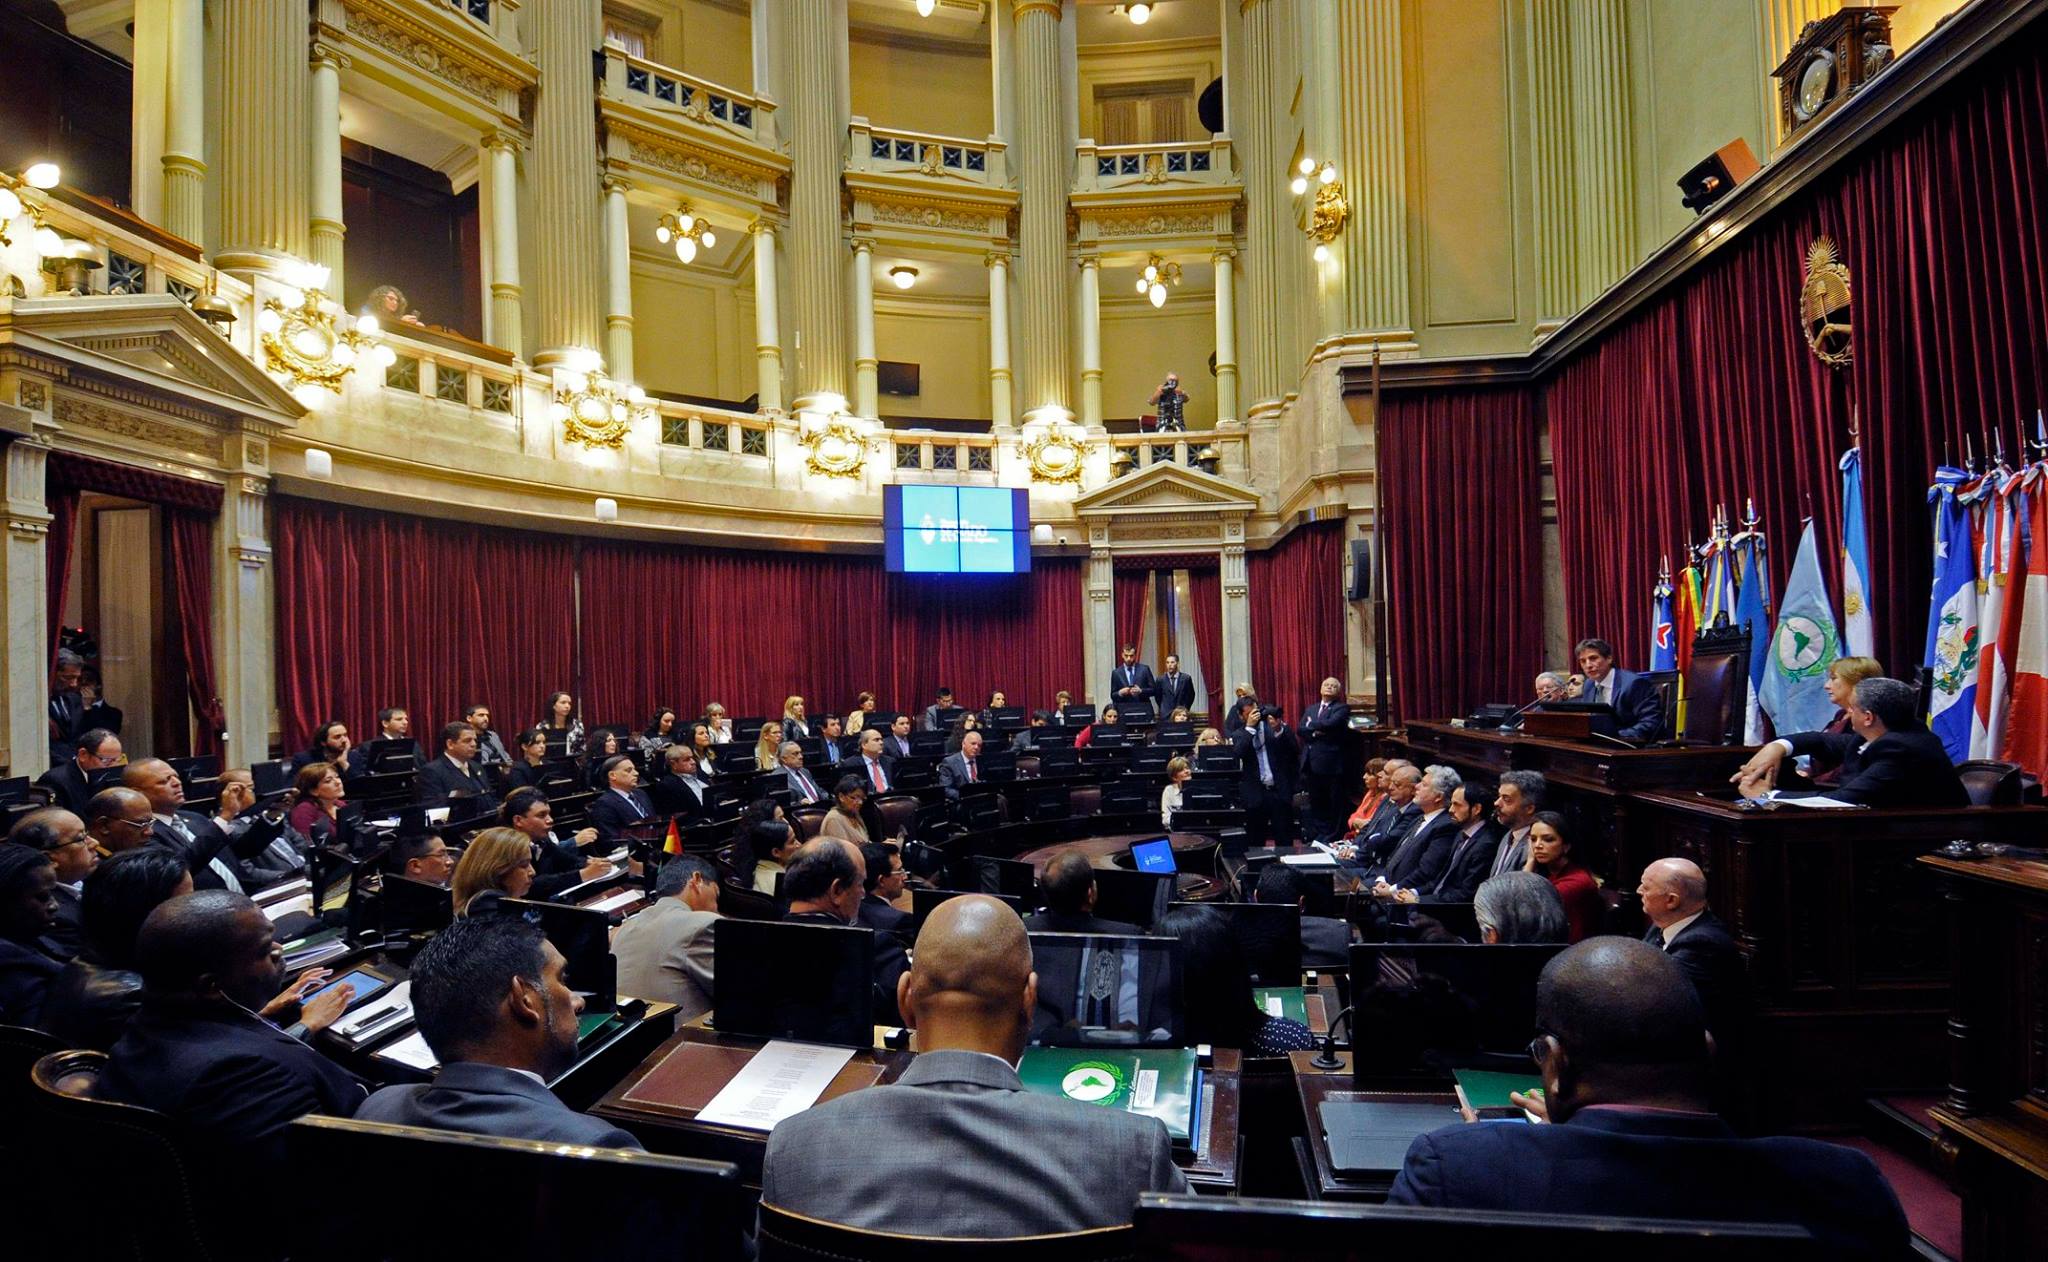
(88, 1004)
(67, 787)
(835, 750)
(236, 1080)
(439, 781)
(876, 914)
(1421, 857)
(1283, 756)
(857, 767)
(1909, 768)
(68, 934)
(1176, 690)
(1139, 676)
(1322, 731)
(820, 789)
(1708, 954)
(1053, 922)
(1325, 942)
(480, 1099)
(958, 1147)
(1466, 866)
(673, 795)
(610, 814)
(207, 844)
(1646, 1164)
(1390, 824)
(25, 975)
(1637, 711)
(953, 774)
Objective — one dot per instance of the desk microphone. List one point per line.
(1517, 712)
(1615, 740)
(1327, 1058)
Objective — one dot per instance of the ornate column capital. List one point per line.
(761, 226)
(500, 142)
(1223, 254)
(1018, 8)
(863, 245)
(324, 54)
(616, 184)
(1088, 261)
(996, 258)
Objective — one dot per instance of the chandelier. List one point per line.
(686, 230)
(1157, 277)
(305, 343)
(1331, 208)
(22, 220)
(594, 410)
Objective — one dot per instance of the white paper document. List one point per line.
(623, 898)
(781, 1081)
(1313, 859)
(1820, 804)
(411, 1050)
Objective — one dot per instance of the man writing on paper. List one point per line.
(957, 1147)
(1887, 759)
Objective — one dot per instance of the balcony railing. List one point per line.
(662, 88)
(888, 149)
(1135, 166)
(134, 256)
(715, 430)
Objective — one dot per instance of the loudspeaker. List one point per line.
(1361, 570)
(1209, 107)
(1716, 175)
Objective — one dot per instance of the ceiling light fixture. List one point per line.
(1158, 276)
(925, 7)
(1139, 13)
(686, 230)
(903, 277)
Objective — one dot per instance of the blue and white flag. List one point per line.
(1804, 645)
(1856, 635)
(1952, 626)
(1717, 590)
(1663, 645)
(1753, 610)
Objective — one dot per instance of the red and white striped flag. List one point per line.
(2026, 731)
(2004, 574)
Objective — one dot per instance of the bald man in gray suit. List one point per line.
(957, 1147)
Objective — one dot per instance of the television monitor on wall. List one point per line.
(956, 529)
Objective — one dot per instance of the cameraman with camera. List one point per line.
(1171, 401)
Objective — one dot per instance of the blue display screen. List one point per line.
(1154, 856)
(956, 530)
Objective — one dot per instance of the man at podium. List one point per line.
(1638, 713)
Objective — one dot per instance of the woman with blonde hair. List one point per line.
(768, 749)
(498, 864)
(1178, 773)
(794, 726)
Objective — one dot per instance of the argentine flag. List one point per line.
(1953, 638)
(1804, 644)
(1855, 560)
(1753, 609)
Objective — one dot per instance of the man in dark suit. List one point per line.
(69, 782)
(871, 767)
(963, 768)
(206, 848)
(957, 1147)
(681, 791)
(1325, 727)
(831, 744)
(622, 804)
(1887, 759)
(491, 1001)
(456, 775)
(1625, 1065)
(884, 882)
(1269, 767)
(489, 749)
(1638, 712)
(331, 745)
(1674, 894)
(937, 715)
(1325, 940)
(825, 884)
(1397, 814)
(61, 835)
(895, 742)
(804, 788)
(1515, 804)
(1472, 850)
(1131, 686)
(1233, 718)
(1067, 888)
(1420, 858)
(198, 1050)
(1176, 691)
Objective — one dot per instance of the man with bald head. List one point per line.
(119, 819)
(825, 884)
(1674, 894)
(1625, 1060)
(957, 1147)
(199, 839)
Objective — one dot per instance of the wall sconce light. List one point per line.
(1331, 209)
(607, 509)
(1158, 276)
(1207, 458)
(925, 7)
(1041, 534)
(1122, 462)
(305, 343)
(903, 277)
(686, 230)
(20, 219)
(594, 410)
(1139, 13)
(319, 464)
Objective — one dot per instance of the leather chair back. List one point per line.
(745, 903)
(1666, 684)
(810, 820)
(786, 1237)
(1027, 766)
(1084, 801)
(899, 814)
(1717, 687)
(1990, 783)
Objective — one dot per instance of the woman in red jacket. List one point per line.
(1550, 856)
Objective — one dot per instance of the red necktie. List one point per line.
(876, 769)
(971, 777)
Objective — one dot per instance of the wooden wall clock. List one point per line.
(1829, 62)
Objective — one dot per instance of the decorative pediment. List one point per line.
(1167, 488)
(149, 351)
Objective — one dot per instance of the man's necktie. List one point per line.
(1655, 937)
(971, 777)
(875, 769)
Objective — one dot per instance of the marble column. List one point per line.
(618, 308)
(1042, 167)
(1237, 613)
(999, 391)
(1226, 338)
(1603, 156)
(1261, 167)
(325, 109)
(1091, 342)
(564, 179)
(767, 328)
(244, 645)
(1372, 164)
(24, 568)
(264, 158)
(501, 193)
(865, 402)
(815, 118)
(1098, 643)
(1550, 167)
(149, 81)
(184, 152)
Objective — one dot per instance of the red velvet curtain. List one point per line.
(188, 549)
(1464, 593)
(1710, 396)
(1132, 589)
(381, 609)
(1205, 594)
(1019, 634)
(1297, 615)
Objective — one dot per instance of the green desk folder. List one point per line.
(1156, 1082)
(1484, 1089)
(591, 1024)
(1293, 1002)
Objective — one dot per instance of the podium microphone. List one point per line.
(1327, 1058)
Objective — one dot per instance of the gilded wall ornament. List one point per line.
(1056, 454)
(835, 450)
(1824, 304)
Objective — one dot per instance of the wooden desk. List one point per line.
(1320, 1176)
(1993, 1128)
(1211, 1167)
(1189, 887)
